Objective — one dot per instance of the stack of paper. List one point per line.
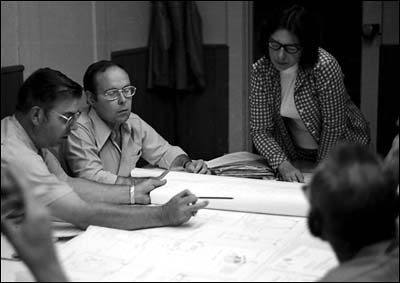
(243, 170)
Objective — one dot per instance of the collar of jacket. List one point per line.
(302, 73)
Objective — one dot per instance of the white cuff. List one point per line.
(132, 194)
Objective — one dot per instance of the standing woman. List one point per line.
(299, 107)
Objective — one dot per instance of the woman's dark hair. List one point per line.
(44, 87)
(299, 22)
(89, 83)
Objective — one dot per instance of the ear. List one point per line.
(36, 115)
(315, 223)
(91, 98)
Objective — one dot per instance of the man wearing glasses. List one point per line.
(48, 105)
(109, 139)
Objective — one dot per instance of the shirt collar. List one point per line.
(291, 70)
(101, 129)
(22, 135)
(273, 72)
(375, 249)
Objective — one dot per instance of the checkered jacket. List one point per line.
(321, 100)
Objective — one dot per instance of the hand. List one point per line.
(181, 208)
(197, 166)
(290, 173)
(143, 187)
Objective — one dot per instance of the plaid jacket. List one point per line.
(321, 100)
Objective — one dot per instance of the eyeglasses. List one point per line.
(69, 120)
(289, 48)
(114, 94)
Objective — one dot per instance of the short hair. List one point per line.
(44, 87)
(354, 197)
(89, 78)
(299, 22)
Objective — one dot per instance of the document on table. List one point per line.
(213, 246)
(249, 195)
(241, 156)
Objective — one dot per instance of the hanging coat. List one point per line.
(176, 57)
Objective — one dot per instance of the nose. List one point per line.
(73, 127)
(122, 99)
(281, 53)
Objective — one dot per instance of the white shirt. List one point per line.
(38, 169)
(300, 134)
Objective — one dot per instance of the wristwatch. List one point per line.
(132, 194)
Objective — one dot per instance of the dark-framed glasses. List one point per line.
(114, 94)
(69, 120)
(289, 48)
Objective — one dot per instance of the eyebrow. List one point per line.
(290, 44)
(115, 88)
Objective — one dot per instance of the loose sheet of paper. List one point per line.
(249, 195)
(213, 246)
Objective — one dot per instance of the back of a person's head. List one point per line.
(89, 78)
(44, 87)
(354, 198)
(301, 23)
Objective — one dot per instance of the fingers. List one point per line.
(299, 177)
(200, 205)
(189, 199)
(290, 173)
(157, 183)
(295, 176)
(186, 198)
(182, 194)
(151, 184)
(163, 174)
(204, 170)
(198, 166)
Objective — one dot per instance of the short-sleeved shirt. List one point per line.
(92, 152)
(375, 263)
(39, 168)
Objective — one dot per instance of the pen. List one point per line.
(215, 197)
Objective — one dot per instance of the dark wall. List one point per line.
(11, 81)
(197, 121)
(388, 101)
